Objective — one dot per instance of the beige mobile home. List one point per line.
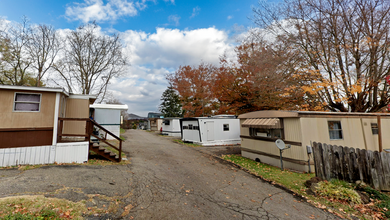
(29, 125)
(260, 130)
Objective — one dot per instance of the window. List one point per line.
(225, 127)
(374, 128)
(166, 122)
(195, 127)
(25, 102)
(190, 126)
(185, 127)
(263, 132)
(335, 131)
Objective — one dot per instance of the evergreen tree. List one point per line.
(170, 105)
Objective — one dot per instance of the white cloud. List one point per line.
(171, 1)
(96, 10)
(229, 17)
(141, 89)
(154, 55)
(195, 12)
(170, 48)
(174, 19)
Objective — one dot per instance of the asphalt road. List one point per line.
(165, 180)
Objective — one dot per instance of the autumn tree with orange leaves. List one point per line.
(194, 85)
(345, 49)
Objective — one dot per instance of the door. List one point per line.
(210, 130)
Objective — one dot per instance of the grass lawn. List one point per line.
(292, 180)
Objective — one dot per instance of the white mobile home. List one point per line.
(171, 127)
(108, 116)
(210, 131)
(260, 130)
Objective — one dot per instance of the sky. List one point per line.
(158, 36)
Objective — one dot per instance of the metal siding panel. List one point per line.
(1, 157)
(191, 135)
(292, 129)
(52, 154)
(76, 108)
(295, 152)
(27, 156)
(7, 157)
(71, 152)
(108, 116)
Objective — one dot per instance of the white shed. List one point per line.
(108, 116)
(171, 127)
(210, 131)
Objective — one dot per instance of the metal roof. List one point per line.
(298, 114)
(109, 106)
(33, 88)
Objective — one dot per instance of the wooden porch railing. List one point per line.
(89, 127)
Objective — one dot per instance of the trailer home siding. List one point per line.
(171, 127)
(26, 128)
(15, 119)
(300, 129)
(76, 107)
(29, 125)
(211, 131)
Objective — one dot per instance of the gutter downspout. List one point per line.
(55, 124)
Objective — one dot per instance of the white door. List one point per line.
(210, 130)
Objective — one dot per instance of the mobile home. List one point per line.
(30, 123)
(108, 116)
(171, 127)
(260, 130)
(210, 131)
(154, 121)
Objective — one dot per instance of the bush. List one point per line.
(338, 190)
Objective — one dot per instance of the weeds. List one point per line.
(339, 191)
(39, 207)
(186, 144)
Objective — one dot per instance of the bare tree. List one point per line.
(91, 60)
(43, 47)
(15, 59)
(345, 45)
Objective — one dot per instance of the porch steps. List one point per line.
(95, 147)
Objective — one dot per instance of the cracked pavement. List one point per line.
(165, 180)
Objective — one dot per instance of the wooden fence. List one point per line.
(349, 164)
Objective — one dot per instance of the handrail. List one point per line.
(89, 132)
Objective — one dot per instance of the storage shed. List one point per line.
(108, 116)
(260, 130)
(171, 127)
(210, 131)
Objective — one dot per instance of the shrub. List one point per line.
(338, 190)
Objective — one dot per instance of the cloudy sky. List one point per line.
(159, 35)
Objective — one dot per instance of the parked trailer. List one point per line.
(171, 127)
(210, 131)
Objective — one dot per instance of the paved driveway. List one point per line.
(164, 181)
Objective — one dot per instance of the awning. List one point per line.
(267, 123)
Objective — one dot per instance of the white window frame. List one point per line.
(27, 102)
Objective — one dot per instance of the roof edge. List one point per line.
(34, 88)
